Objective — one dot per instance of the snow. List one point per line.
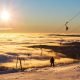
(66, 72)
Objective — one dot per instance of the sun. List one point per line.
(5, 15)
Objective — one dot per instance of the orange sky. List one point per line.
(40, 16)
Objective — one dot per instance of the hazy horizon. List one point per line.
(39, 16)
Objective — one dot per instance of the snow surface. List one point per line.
(66, 72)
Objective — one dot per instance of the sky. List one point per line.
(46, 16)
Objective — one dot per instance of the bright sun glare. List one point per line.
(5, 15)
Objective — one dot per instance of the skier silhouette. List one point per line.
(52, 61)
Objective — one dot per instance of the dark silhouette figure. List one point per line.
(66, 25)
(52, 61)
(67, 28)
